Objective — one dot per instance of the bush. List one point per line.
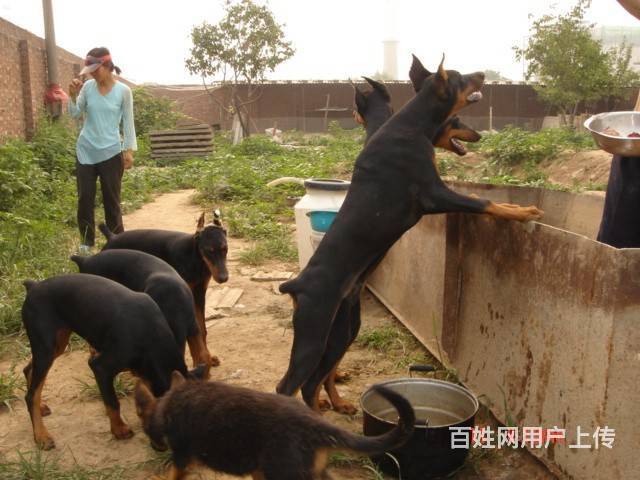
(151, 112)
(512, 146)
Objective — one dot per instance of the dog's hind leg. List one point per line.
(105, 368)
(345, 329)
(40, 365)
(312, 320)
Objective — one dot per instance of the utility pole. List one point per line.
(54, 97)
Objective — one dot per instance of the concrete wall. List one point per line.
(548, 316)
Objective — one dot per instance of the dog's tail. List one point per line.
(290, 287)
(105, 231)
(28, 284)
(77, 259)
(387, 441)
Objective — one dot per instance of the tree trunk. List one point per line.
(572, 117)
(563, 117)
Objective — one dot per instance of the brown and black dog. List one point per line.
(394, 184)
(196, 257)
(240, 431)
(126, 328)
(373, 109)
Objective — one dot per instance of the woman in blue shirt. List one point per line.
(106, 104)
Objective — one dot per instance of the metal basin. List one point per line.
(438, 405)
(624, 123)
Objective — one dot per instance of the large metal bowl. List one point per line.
(625, 123)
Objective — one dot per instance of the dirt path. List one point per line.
(253, 343)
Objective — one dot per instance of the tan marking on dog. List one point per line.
(199, 353)
(320, 461)
(514, 212)
(119, 428)
(41, 435)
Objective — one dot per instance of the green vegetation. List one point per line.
(570, 65)
(40, 466)
(10, 383)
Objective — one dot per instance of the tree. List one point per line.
(570, 65)
(495, 76)
(151, 112)
(242, 47)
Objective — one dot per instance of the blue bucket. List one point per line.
(321, 220)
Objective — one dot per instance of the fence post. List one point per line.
(27, 96)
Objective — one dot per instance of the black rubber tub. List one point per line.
(438, 405)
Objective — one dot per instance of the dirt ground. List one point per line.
(253, 343)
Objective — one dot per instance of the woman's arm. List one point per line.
(128, 126)
(77, 101)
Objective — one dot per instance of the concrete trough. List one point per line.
(539, 318)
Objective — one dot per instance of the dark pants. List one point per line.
(620, 226)
(110, 174)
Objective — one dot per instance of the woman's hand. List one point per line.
(74, 87)
(127, 159)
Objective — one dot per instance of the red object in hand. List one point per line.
(55, 94)
(634, 135)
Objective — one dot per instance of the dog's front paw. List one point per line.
(122, 432)
(45, 442)
(215, 361)
(345, 408)
(532, 213)
(45, 410)
(342, 377)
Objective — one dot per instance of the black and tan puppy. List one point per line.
(196, 257)
(126, 328)
(394, 184)
(240, 431)
(146, 273)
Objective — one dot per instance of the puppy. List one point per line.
(240, 431)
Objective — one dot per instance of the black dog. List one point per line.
(394, 183)
(195, 257)
(142, 272)
(126, 328)
(373, 109)
(240, 431)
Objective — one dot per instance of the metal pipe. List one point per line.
(50, 42)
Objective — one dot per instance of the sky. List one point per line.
(334, 39)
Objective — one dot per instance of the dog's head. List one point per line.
(451, 135)
(450, 87)
(212, 244)
(147, 409)
(376, 102)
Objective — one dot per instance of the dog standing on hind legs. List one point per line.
(394, 184)
(373, 109)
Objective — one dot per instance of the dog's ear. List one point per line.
(200, 225)
(441, 80)
(144, 399)
(361, 102)
(417, 74)
(176, 379)
(217, 217)
(379, 87)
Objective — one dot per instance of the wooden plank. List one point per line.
(175, 150)
(199, 143)
(181, 131)
(203, 136)
(180, 154)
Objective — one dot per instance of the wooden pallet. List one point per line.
(186, 140)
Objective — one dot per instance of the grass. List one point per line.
(39, 466)
(10, 383)
(123, 385)
(344, 460)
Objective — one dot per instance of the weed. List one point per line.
(39, 466)
(381, 338)
(122, 384)
(10, 383)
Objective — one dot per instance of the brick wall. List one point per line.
(23, 78)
